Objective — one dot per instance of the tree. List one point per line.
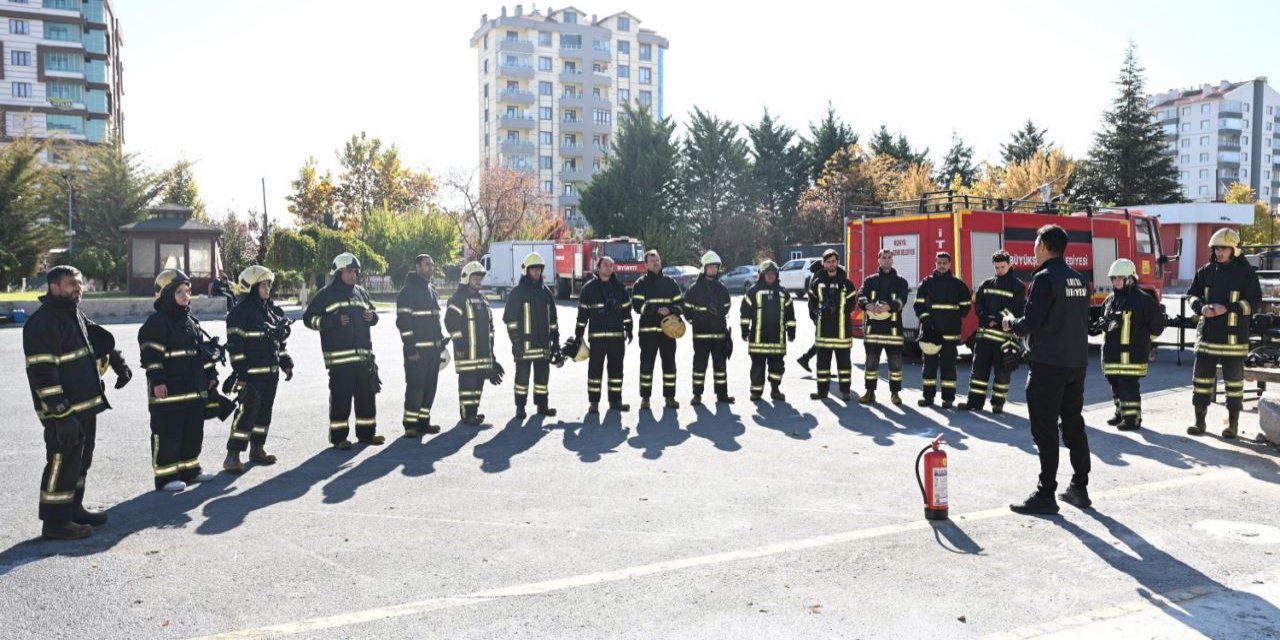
(1263, 228)
(23, 237)
(898, 148)
(1023, 144)
(714, 177)
(400, 237)
(850, 178)
(1024, 179)
(240, 241)
(638, 185)
(778, 176)
(311, 250)
(494, 204)
(115, 189)
(181, 189)
(1130, 162)
(827, 137)
(315, 198)
(916, 181)
(958, 164)
(373, 177)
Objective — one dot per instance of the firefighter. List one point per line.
(832, 297)
(706, 304)
(998, 296)
(418, 319)
(942, 302)
(1130, 319)
(604, 314)
(469, 322)
(1225, 294)
(655, 297)
(530, 317)
(257, 330)
(181, 373)
(808, 355)
(882, 298)
(343, 313)
(768, 321)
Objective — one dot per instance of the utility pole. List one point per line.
(71, 230)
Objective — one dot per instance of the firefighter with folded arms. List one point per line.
(1225, 294)
(942, 302)
(881, 299)
(604, 316)
(706, 305)
(832, 297)
(1000, 296)
(530, 317)
(257, 330)
(768, 320)
(657, 299)
(343, 313)
(418, 319)
(181, 375)
(469, 322)
(1130, 320)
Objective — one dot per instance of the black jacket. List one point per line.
(996, 298)
(1056, 318)
(256, 335)
(530, 317)
(942, 302)
(892, 289)
(1131, 318)
(341, 344)
(469, 322)
(604, 310)
(61, 365)
(768, 319)
(418, 316)
(170, 342)
(831, 301)
(1235, 286)
(706, 305)
(652, 292)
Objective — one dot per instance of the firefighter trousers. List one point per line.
(541, 369)
(844, 369)
(987, 359)
(421, 377)
(775, 365)
(177, 436)
(348, 383)
(65, 469)
(1205, 373)
(946, 360)
(470, 387)
(612, 350)
(710, 349)
(1127, 393)
(253, 413)
(894, 356)
(1055, 398)
(651, 346)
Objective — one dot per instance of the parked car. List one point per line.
(1265, 261)
(794, 275)
(739, 279)
(684, 276)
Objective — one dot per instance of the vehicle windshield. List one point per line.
(792, 266)
(624, 251)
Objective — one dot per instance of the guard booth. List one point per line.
(170, 239)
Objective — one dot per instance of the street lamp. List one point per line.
(71, 231)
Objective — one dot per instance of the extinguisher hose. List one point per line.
(920, 481)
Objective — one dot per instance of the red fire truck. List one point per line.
(576, 261)
(971, 229)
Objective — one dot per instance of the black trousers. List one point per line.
(470, 387)
(541, 369)
(946, 359)
(1055, 398)
(872, 374)
(421, 377)
(710, 349)
(1205, 374)
(1127, 393)
(612, 351)
(986, 360)
(348, 383)
(65, 469)
(775, 365)
(177, 436)
(653, 344)
(844, 369)
(253, 415)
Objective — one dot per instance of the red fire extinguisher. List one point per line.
(933, 487)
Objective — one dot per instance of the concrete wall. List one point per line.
(204, 307)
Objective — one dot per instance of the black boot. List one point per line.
(520, 412)
(997, 408)
(546, 410)
(1129, 424)
(84, 516)
(1233, 424)
(803, 360)
(259, 455)
(1039, 501)
(1199, 427)
(1076, 496)
(724, 399)
(65, 531)
(777, 396)
(1115, 420)
(672, 403)
(430, 428)
(924, 402)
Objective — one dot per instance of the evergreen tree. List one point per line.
(715, 174)
(778, 175)
(827, 137)
(638, 185)
(1024, 144)
(958, 164)
(23, 236)
(897, 148)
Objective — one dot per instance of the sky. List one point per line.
(248, 89)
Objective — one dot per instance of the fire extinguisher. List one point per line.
(933, 487)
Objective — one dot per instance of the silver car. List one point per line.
(739, 279)
(684, 276)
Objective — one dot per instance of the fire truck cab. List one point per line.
(575, 262)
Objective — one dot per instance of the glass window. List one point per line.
(20, 58)
(624, 23)
(18, 27)
(624, 95)
(624, 47)
(646, 52)
(571, 17)
(544, 88)
(1204, 108)
(1204, 173)
(545, 113)
(144, 258)
(64, 91)
(1204, 141)
(544, 63)
(61, 32)
(173, 256)
(646, 75)
(1186, 142)
(20, 90)
(1204, 125)
(646, 98)
(544, 162)
(65, 123)
(63, 61)
(1204, 157)
(201, 258)
(624, 71)
(544, 137)
(544, 38)
(1186, 111)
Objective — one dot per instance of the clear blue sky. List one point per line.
(248, 89)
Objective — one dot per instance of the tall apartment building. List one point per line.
(60, 70)
(551, 91)
(1223, 133)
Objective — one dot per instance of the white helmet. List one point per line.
(532, 260)
(472, 267)
(930, 348)
(254, 274)
(1122, 268)
(710, 258)
(345, 260)
(1226, 237)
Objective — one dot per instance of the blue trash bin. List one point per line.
(19, 316)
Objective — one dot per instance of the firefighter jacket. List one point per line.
(1056, 318)
(1235, 286)
(892, 289)
(652, 292)
(171, 341)
(706, 305)
(531, 320)
(998, 297)
(61, 364)
(942, 302)
(768, 319)
(604, 310)
(1131, 319)
(469, 322)
(342, 344)
(256, 333)
(418, 315)
(831, 301)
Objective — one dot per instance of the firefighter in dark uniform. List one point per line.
(768, 321)
(942, 302)
(180, 376)
(256, 333)
(706, 305)
(999, 296)
(67, 391)
(881, 299)
(1055, 324)
(604, 315)
(530, 317)
(418, 319)
(655, 296)
(343, 313)
(1225, 294)
(832, 297)
(1130, 319)
(469, 322)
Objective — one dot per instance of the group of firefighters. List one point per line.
(67, 353)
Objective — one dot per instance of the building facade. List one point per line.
(60, 70)
(1223, 133)
(551, 90)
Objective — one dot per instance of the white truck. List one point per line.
(504, 259)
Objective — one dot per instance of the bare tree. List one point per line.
(492, 204)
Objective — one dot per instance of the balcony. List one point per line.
(602, 102)
(574, 175)
(515, 146)
(1231, 109)
(571, 149)
(571, 76)
(515, 95)
(1230, 144)
(602, 77)
(569, 200)
(573, 125)
(573, 100)
(515, 45)
(570, 50)
(1230, 124)
(506, 70)
(1168, 116)
(515, 122)
(1229, 158)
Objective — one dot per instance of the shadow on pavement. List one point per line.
(230, 511)
(784, 418)
(596, 435)
(721, 428)
(655, 436)
(951, 537)
(516, 437)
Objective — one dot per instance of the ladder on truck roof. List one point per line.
(950, 201)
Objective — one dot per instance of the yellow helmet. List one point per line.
(1226, 237)
(673, 327)
(345, 260)
(879, 315)
(254, 274)
(532, 260)
(170, 277)
(709, 258)
(1122, 268)
(583, 352)
(472, 267)
(930, 348)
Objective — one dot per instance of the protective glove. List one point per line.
(791, 335)
(495, 377)
(123, 373)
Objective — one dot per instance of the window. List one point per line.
(201, 253)
(1204, 174)
(1204, 125)
(571, 17)
(1270, 110)
(544, 88)
(571, 67)
(64, 92)
(544, 162)
(624, 23)
(21, 90)
(1186, 142)
(1246, 107)
(624, 71)
(624, 95)
(144, 258)
(544, 38)
(486, 65)
(545, 113)
(646, 75)
(1268, 126)
(20, 58)
(1186, 175)
(1244, 140)
(602, 116)
(1204, 191)
(646, 52)
(624, 47)
(1244, 174)
(570, 189)
(173, 256)
(513, 136)
(1146, 244)
(544, 63)
(570, 41)
(486, 42)
(544, 137)
(1204, 141)
(18, 27)
(570, 115)
(62, 32)
(1185, 159)
(1244, 157)
(1204, 157)
(547, 187)
(646, 98)
(1204, 108)
(1186, 111)
(1186, 126)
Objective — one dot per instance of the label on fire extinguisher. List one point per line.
(939, 488)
